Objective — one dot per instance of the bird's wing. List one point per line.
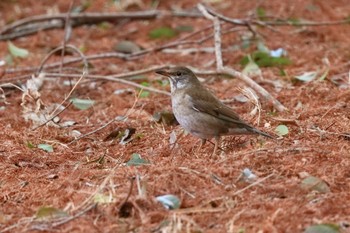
(209, 104)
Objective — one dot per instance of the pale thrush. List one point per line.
(199, 112)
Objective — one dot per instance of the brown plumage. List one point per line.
(199, 112)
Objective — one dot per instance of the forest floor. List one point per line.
(92, 183)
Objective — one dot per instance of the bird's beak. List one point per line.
(164, 73)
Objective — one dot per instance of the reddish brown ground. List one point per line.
(277, 204)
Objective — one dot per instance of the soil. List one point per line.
(214, 196)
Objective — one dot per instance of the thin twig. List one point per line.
(251, 185)
(52, 117)
(217, 36)
(239, 191)
(132, 179)
(87, 209)
(69, 61)
(92, 132)
(85, 70)
(82, 57)
(67, 32)
(114, 79)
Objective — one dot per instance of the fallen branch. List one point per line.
(118, 78)
(33, 24)
(255, 86)
(68, 61)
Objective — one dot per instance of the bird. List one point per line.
(199, 112)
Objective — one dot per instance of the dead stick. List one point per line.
(255, 86)
(67, 32)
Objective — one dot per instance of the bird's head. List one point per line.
(180, 77)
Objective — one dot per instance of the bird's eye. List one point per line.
(178, 73)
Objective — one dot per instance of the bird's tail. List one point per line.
(254, 130)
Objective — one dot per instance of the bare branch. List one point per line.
(255, 86)
(217, 37)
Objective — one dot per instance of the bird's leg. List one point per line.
(217, 142)
(172, 145)
(202, 144)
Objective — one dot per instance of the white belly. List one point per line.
(189, 119)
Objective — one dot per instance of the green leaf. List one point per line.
(145, 84)
(82, 104)
(9, 59)
(48, 212)
(307, 76)
(316, 184)
(324, 75)
(251, 68)
(294, 21)
(144, 94)
(162, 33)
(283, 72)
(261, 13)
(263, 59)
(281, 130)
(136, 160)
(46, 147)
(169, 201)
(323, 228)
(104, 25)
(17, 52)
(100, 198)
(30, 145)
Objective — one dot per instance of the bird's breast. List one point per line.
(197, 123)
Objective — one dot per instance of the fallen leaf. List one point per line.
(48, 212)
(100, 198)
(136, 160)
(281, 130)
(315, 183)
(307, 76)
(46, 147)
(251, 69)
(169, 201)
(82, 104)
(162, 33)
(126, 46)
(323, 228)
(15, 51)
